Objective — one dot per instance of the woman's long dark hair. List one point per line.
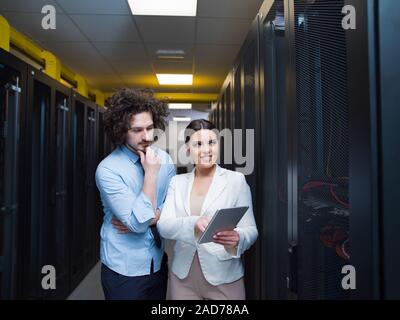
(196, 125)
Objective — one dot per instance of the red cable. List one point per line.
(315, 184)
(346, 205)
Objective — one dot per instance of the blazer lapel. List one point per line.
(218, 185)
(186, 192)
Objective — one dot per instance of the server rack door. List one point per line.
(250, 115)
(78, 223)
(274, 136)
(38, 180)
(107, 145)
(227, 140)
(100, 154)
(218, 116)
(10, 105)
(238, 137)
(228, 97)
(389, 12)
(374, 74)
(321, 150)
(102, 137)
(58, 235)
(91, 164)
(222, 127)
(223, 112)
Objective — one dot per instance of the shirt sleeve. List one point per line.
(171, 174)
(135, 211)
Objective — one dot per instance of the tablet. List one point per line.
(223, 220)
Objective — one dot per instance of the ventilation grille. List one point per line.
(323, 147)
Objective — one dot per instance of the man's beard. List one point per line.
(141, 146)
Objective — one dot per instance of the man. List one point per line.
(133, 182)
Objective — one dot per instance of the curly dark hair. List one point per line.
(125, 103)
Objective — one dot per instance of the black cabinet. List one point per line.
(12, 90)
(321, 100)
(274, 132)
(85, 213)
(49, 178)
(50, 208)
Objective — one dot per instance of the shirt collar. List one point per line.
(131, 155)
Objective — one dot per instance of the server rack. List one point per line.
(324, 98)
(38, 134)
(49, 191)
(83, 149)
(274, 146)
(244, 77)
(12, 103)
(105, 145)
(50, 207)
(91, 134)
(319, 106)
(40, 224)
(226, 137)
(387, 96)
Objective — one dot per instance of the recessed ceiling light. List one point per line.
(185, 8)
(171, 57)
(170, 52)
(180, 106)
(174, 79)
(181, 119)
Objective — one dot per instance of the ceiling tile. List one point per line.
(210, 76)
(173, 67)
(106, 83)
(216, 54)
(140, 80)
(107, 27)
(31, 25)
(224, 31)
(80, 57)
(131, 67)
(209, 89)
(95, 7)
(166, 29)
(121, 51)
(246, 9)
(27, 6)
(212, 69)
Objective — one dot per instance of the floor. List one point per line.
(90, 287)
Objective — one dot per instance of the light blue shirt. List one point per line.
(119, 177)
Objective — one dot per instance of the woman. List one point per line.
(211, 270)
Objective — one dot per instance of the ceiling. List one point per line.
(102, 41)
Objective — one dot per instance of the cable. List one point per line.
(316, 184)
(344, 204)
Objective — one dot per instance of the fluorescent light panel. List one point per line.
(174, 79)
(170, 54)
(185, 8)
(186, 119)
(166, 52)
(180, 106)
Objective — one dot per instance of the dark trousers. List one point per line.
(148, 287)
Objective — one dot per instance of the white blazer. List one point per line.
(228, 189)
